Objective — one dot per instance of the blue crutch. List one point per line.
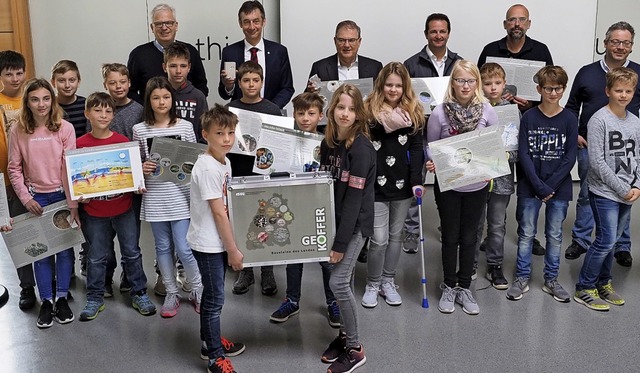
(425, 302)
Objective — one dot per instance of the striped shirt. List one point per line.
(164, 200)
(74, 114)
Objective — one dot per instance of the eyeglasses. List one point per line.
(168, 24)
(517, 19)
(557, 90)
(462, 82)
(345, 41)
(624, 43)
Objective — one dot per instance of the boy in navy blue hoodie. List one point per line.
(547, 147)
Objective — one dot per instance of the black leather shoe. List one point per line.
(27, 298)
(624, 258)
(538, 249)
(574, 251)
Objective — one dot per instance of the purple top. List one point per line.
(438, 128)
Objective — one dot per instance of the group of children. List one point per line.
(372, 149)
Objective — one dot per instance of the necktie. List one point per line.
(254, 54)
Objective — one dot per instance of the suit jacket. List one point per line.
(327, 68)
(278, 82)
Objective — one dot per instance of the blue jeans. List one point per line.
(583, 226)
(294, 281)
(527, 212)
(212, 267)
(165, 233)
(386, 242)
(342, 287)
(63, 265)
(101, 231)
(611, 217)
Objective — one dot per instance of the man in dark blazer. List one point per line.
(346, 63)
(273, 57)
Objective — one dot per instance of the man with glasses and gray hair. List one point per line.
(145, 61)
(588, 96)
(346, 63)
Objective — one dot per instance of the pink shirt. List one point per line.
(36, 161)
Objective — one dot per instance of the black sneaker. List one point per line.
(268, 283)
(333, 314)
(62, 313)
(245, 279)
(483, 245)
(364, 252)
(27, 298)
(349, 361)
(108, 290)
(285, 311)
(574, 251)
(336, 348)
(125, 286)
(495, 275)
(230, 349)
(221, 365)
(538, 249)
(623, 258)
(45, 317)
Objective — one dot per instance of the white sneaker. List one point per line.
(388, 290)
(370, 297)
(464, 297)
(447, 300)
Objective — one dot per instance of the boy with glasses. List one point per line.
(547, 147)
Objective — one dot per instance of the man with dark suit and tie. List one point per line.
(273, 57)
(346, 63)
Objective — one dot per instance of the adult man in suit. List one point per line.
(346, 63)
(273, 57)
(145, 61)
(434, 60)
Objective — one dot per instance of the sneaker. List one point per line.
(285, 311)
(554, 288)
(170, 306)
(62, 313)
(607, 293)
(27, 298)
(83, 270)
(125, 286)
(231, 349)
(187, 287)
(591, 300)
(336, 348)
(474, 274)
(538, 249)
(623, 258)
(221, 365)
(268, 283)
(518, 288)
(496, 277)
(333, 314)
(245, 279)
(370, 297)
(447, 300)
(159, 288)
(410, 243)
(388, 290)
(351, 359)
(464, 297)
(483, 245)
(574, 251)
(195, 297)
(143, 304)
(91, 310)
(45, 317)
(108, 290)
(364, 252)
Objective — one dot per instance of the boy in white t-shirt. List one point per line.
(210, 233)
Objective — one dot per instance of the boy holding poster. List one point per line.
(547, 148)
(307, 111)
(251, 79)
(105, 217)
(210, 234)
